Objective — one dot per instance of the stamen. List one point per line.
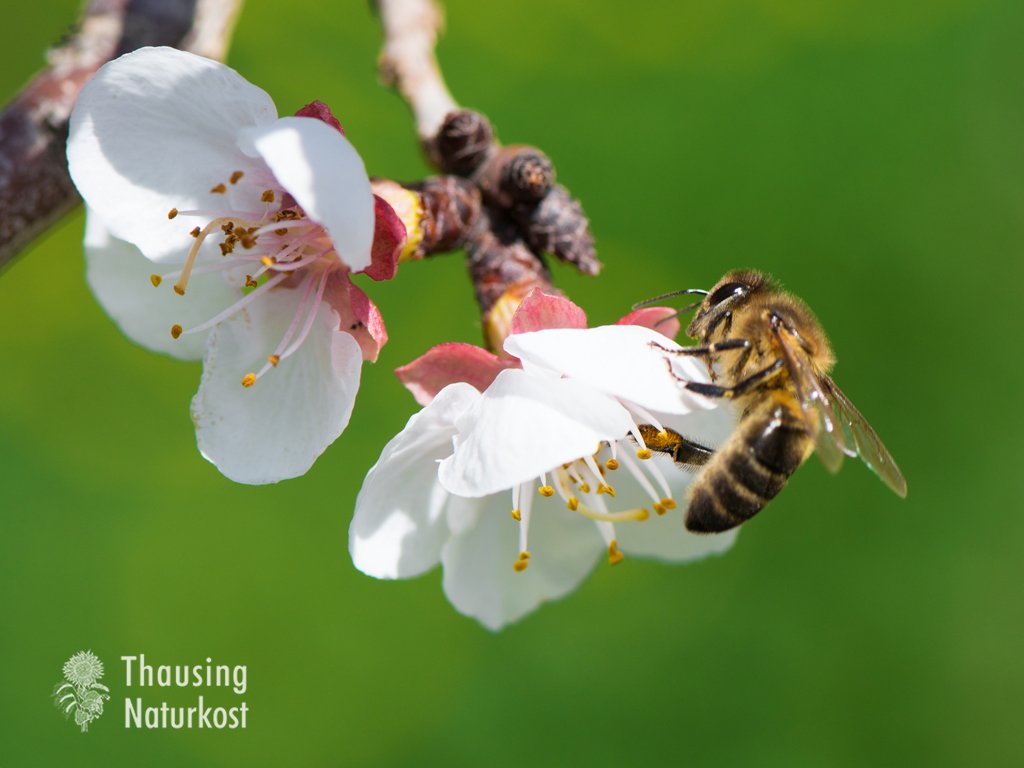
(172, 213)
(572, 503)
(179, 287)
(615, 555)
(195, 232)
(249, 379)
(643, 453)
(156, 280)
(267, 196)
(517, 515)
(242, 302)
(175, 331)
(524, 528)
(236, 176)
(274, 360)
(219, 189)
(612, 464)
(637, 514)
(645, 416)
(546, 491)
(636, 471)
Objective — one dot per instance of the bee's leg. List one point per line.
(691, 454)
(705, 350)
(682, 450)
(708, 351)
(725, 317)
(714, 390)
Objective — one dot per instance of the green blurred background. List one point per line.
(869, 153)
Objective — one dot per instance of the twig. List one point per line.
(407, 61)
(35, 189)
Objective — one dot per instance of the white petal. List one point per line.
(664, 537)
(119, 275)
(276, 429)
(325, 175)
(155, 130)
(618, 360)
(399, 526)
(525, 425)
(478, 576)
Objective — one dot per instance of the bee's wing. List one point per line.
(832, 439)
(865, 441)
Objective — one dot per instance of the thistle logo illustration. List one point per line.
(81, 692)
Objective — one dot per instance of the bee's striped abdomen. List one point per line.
(749, 470)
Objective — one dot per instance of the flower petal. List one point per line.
(525, 425)
(388, 241)
(322, 112)
(119, 275)
(478, 576)
(618, 360)
(323, 172)
(155, 130)
(399, 524)
(359, 316)
(539, 311)
(664, 320)
(277, 428)
(447, 363)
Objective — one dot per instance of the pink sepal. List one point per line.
(448, 363)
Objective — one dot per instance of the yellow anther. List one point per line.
(226, 247)
(668, 503)
(573, 503)
(195, 232)
(236, 176)
(615, 556)
(605, 488)
(517, 515)
(274, 360)
(585, 488)
(175, 331)
(179, 289)
(524, 555)
(172, 213)
(267, 196)
(227, 227)
(520, 565)
(643, 453)
(268, 261)
(249, 379)
(155, 280)
(659, 508)
(249, 282)
(220, 189)
(546, 491)
(612, 464)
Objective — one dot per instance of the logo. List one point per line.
(81, 693)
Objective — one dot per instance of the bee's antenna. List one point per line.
(672, 294)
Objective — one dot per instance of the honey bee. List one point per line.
(766, 351)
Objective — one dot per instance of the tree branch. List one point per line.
(523, 215)
(407, 61)
(35, 189)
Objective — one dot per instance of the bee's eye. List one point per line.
(726, 291)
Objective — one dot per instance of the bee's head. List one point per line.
(727, 296)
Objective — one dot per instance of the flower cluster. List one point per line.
(520, 472)
(217, 230)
